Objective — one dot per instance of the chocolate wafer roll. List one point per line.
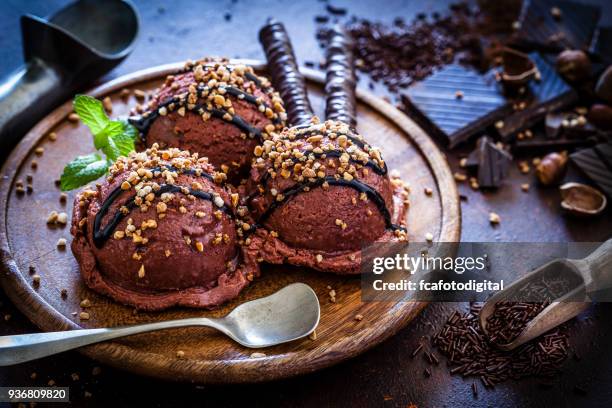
(340, 80)
(286, 76)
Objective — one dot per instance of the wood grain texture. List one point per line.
(26, 240)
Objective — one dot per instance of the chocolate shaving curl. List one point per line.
(340, 80)
(286, 76)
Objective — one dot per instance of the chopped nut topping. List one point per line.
(494, 218)
(141, 271)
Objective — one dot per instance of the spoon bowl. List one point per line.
(289, 314)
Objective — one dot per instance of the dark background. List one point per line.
(387, 375)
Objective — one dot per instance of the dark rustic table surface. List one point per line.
(385, 375)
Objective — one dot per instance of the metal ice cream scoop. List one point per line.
(593, 277)
(63, 53)
(289, 314)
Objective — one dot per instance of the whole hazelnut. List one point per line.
(601, 116)
(551, 168)
(574, 65)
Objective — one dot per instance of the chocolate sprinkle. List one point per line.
(471, 353)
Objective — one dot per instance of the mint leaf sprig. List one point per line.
(113, 138)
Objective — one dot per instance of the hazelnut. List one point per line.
(601, 116)
(552, 168)
(574, 65)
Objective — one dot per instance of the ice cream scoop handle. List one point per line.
(25, 96)
(26, 347)
(599, 263)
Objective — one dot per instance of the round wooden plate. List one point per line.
(26, 241)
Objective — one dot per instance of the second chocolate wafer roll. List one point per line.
(340, 79)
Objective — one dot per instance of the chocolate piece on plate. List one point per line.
(549, 93)
(596, 163)
(553, 25)
(456, 103)
(492, 163)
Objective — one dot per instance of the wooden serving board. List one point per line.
(209, 357)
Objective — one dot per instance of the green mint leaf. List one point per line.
(119, 143)
(101, 138)
(83, 170)
(91, 112)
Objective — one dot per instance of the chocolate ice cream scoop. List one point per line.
(161, 231)
(318, 192)
(216, 109)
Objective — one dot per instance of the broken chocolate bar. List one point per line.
(456, 103)
(492, 163)
(553, 25)
(549, 93)
(596, 163)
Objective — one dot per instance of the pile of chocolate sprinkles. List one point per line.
(471, 353)
(510, 318)
(401, 53)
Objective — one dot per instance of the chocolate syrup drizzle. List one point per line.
(101, 235)
(340, 80)
(355, 139)
(286, 77)
(332, 181)
(144, 122)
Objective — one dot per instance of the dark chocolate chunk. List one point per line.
(340, 79)
(492, 162)
(549, 93)
(596, 163)
(285, 73)
(456, 103)
(553, 25)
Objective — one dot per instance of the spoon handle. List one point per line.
(26, 347)
(599, 263)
